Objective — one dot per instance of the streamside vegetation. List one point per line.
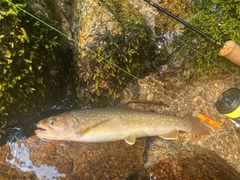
(30, 63)
(122, 40)
(220, 20)
(127, 53)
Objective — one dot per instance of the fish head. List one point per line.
(59, 127)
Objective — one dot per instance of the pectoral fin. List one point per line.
(131, 139)
(171, 135)
(81, 133)
(88, 127)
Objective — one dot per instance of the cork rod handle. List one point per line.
(231, 51)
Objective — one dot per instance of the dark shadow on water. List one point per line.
(21, 131)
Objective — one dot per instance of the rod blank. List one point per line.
(229, 50)
(183, 22)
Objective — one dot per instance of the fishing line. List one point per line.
(123, 70)
(153, 88)
(46, 24)
(183, 22)
(230, 50)
(185, 44)
(69, 38)
(51, 27)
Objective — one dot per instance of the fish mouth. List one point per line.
(40, 129)
(44, 131)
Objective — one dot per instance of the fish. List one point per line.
(115, 124)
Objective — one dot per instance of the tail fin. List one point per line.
(198, 128)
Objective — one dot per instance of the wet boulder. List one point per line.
(34, 158)
(108, 40)
(110, 35)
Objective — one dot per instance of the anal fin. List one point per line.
(171, 135)
(131, 139)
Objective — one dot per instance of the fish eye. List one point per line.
(52, 120)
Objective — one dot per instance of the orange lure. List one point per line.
(208, 120)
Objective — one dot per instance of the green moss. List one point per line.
(130, 51)
(30, 65)
(220, 20)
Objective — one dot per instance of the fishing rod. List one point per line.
(229, 50)
(196, 114)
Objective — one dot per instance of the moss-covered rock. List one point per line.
(31, 62)
(221, 21)
(111, 35)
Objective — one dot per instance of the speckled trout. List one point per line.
(113, 124)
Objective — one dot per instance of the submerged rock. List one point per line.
(192, 162)
(37, 159)
(188, 96)
(189, 157)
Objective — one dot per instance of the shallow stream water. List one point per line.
(153, 158)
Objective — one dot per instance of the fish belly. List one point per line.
(119, 128)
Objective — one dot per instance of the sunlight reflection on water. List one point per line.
(19, 157)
